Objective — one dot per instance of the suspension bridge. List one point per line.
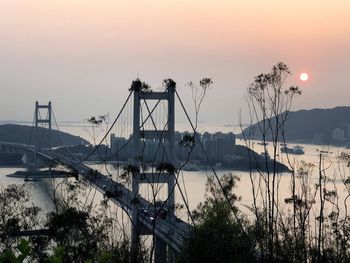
(169, 231)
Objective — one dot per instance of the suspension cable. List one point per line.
(62, 139)
(211, 167)
(110, 128)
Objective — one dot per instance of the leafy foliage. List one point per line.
(167, 167)
(138, 85)
(76, 233)
(218, 236)
(15, 207)
(23, 249)
(169, 83)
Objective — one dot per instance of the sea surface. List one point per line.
(193, 182)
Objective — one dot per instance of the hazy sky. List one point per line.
(83, 54)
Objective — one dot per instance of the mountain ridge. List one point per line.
(313, 126)
(24, 134)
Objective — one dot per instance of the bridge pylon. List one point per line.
(163, 252)
(41, 120)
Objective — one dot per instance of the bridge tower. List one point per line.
(162, 252)
(41, 120)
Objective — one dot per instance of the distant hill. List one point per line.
(25, 134)
(314, 126)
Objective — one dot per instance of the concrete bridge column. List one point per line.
(25, 158)
(160, 251)
(136, 163)
(171, 255)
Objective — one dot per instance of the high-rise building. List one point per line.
(220, 148)
(210, 148)
(338, 134)
(230, 142)
(206, 136)
(120, 148)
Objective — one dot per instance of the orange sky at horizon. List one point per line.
(230, 40)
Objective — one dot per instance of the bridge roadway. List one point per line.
(18, 146)
(172, 230)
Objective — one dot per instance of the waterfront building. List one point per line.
(216, 147)
(206, 136)
(120, 148)
(220, 148)
(210, 148)
(338, 135)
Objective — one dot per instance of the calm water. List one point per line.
(38, 190)
(193, 182)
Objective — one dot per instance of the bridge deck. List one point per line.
(172, 231)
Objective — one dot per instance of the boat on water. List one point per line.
(265, 155)
(31, 179)
(292, 150)
(263, 143)
(191, 167)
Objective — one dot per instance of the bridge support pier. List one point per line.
(26, 158)
(135, 227)
(171, 255)
(160, 255)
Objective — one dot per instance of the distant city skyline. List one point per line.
(83, 55)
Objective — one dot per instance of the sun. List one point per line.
(304, 76)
